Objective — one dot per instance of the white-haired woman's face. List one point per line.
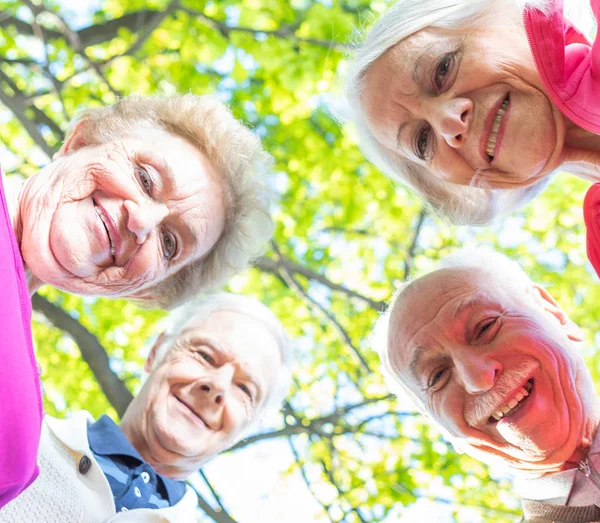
(469, 106)
(114, 218)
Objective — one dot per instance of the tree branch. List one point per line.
(16, 105)
(293, 284)
(286, 33)
(274, 266)
(91, 350)
(410, 255)
(219, 516)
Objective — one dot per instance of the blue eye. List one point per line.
(145, 180)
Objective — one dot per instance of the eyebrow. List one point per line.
(468, 303)
(415, 361)
(399, 133)
(165, 170)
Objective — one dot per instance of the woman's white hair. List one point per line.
(459, 204)
(507, 274)
(206, 305)
(232, 149)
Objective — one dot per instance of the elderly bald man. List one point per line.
(220, 367)
(492, 359)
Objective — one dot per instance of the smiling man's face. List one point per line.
(500, 372)
(211, 386)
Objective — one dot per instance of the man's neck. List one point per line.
(579, 454)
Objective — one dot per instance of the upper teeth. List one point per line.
(101, 214)
(523, 392)
(491, 145)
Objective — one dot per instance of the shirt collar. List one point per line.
(107, 439)
(555, 486)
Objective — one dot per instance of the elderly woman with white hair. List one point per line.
(476, 103)
(153, 199)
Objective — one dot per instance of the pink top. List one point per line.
(569, 67)
(20, 396)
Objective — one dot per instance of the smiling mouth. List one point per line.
(514, 404)
(193, 412)
(103, 218)
(491, 143)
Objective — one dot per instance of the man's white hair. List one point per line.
(203, 307)
(505, 273)
(459, 204)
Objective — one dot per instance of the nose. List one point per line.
(478, 373)
(454, 119)
(142, 218)
(215, 387)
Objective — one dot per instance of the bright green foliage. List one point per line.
(339, 223)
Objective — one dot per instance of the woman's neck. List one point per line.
(13, 190)
(582, 153)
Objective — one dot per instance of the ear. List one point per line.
(152, 355)
(73, 141)
(547, 302)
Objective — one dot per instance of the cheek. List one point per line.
(146, 267)
(238, 416)
(449, 166)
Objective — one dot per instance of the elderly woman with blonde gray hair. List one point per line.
(476, 103)
(153, 199)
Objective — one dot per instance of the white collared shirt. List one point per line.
(569, 488)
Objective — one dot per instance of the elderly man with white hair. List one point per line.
(220, 367)
(493, 360)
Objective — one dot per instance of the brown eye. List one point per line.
(437, 376)
(245, 389)
(206, 357)
(485, 327)
(145, 180)
(443, 70)
(422, 142)
(169, 245)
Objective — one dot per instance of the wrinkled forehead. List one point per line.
(243, 337)
(430, 304)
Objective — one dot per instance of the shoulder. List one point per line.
(71, 431)
(591, 216)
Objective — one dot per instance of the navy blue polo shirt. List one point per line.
(133, 481)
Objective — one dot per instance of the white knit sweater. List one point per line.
(61, 494)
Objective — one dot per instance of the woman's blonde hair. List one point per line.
(234, 151)
(459, 204)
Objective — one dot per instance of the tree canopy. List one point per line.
(345, 237)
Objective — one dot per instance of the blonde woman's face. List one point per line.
(469, 106)
(115, 218)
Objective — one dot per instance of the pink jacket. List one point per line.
(570, 71)
(20, 397)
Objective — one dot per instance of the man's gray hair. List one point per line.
(504, 272)
(240, 161)
(206, 305)
(459, 204)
